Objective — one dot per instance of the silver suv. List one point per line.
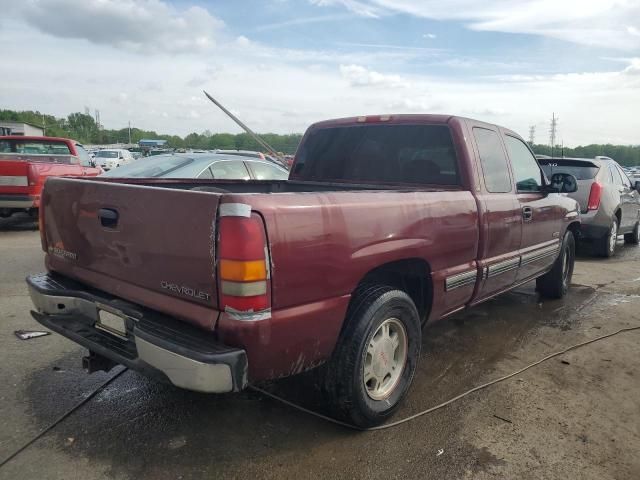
(609, 202)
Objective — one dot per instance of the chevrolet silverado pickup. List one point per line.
(386, 223)
(25, 164)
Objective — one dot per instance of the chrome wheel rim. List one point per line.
(613, 237)
(385, 359)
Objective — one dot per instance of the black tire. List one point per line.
(604, 247)
(633, 238)
(343, 376)
(555, 283)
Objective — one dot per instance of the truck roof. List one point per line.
(33, 137)
(399, 118)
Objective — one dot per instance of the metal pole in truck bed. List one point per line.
(264, 144)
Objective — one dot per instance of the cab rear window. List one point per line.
(412, 154)
(34, 147)
(579, 169)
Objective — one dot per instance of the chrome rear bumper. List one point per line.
(154, 343)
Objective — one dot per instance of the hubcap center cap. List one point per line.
(383, 358)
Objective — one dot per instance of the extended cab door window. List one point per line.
(494, 162)
(525, 167)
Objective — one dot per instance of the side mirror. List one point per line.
(636, 186)
(563, 183)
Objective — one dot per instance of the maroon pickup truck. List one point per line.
(386, 223)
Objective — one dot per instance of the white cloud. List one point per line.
(430, 36)
(243, 41)
(144, 26)
(288, 89)
(634, 67)
(359, 76)
(363, 8)
(587, 22)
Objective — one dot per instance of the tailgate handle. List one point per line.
(108, 217)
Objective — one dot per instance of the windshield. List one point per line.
(416, 154)
(580, 169)
(107, 154)
(155, 166)
(34, 147)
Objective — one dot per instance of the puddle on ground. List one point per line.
(143, 429)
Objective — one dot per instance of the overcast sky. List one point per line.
(283, 64)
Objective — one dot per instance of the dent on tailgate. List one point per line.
(159, 253)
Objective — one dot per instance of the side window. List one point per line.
(85, 159)
(617, 178)
(264, 171)
(493, 160)
(625, 180)
(206, 173)
(230, 170)
(525, 167)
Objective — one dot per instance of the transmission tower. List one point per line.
(553, 130)
(532, 135)
(97, 115)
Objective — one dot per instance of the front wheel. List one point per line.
(555, 283)
(376, 356)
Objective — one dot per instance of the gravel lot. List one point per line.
(576, 416)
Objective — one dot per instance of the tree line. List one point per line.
(83, 128)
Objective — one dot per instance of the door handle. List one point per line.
(527, 214)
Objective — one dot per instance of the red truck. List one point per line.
(387, 223)
(25, 164)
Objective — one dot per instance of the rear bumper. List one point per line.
(593, 231)
(17, 202)
(155, 344)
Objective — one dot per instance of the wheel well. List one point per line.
(412, 275)
(574, 227)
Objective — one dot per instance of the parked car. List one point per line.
(387, 223)
(110, 158)
(609, 201)
(203, 166)
(253, 154)
(25, 164)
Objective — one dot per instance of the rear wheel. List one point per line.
(375, 359)
(606, 246)
(555, 283)
(633, 238)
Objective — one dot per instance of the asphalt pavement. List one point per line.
(575, 416)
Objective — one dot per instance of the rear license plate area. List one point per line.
(112, 323)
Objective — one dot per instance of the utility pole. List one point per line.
(44, 126)
(553, 129)
(129, 132)
(532, 135)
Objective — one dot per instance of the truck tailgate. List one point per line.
(140, 243)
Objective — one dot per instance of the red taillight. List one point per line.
(243, 265)
(594, 196)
